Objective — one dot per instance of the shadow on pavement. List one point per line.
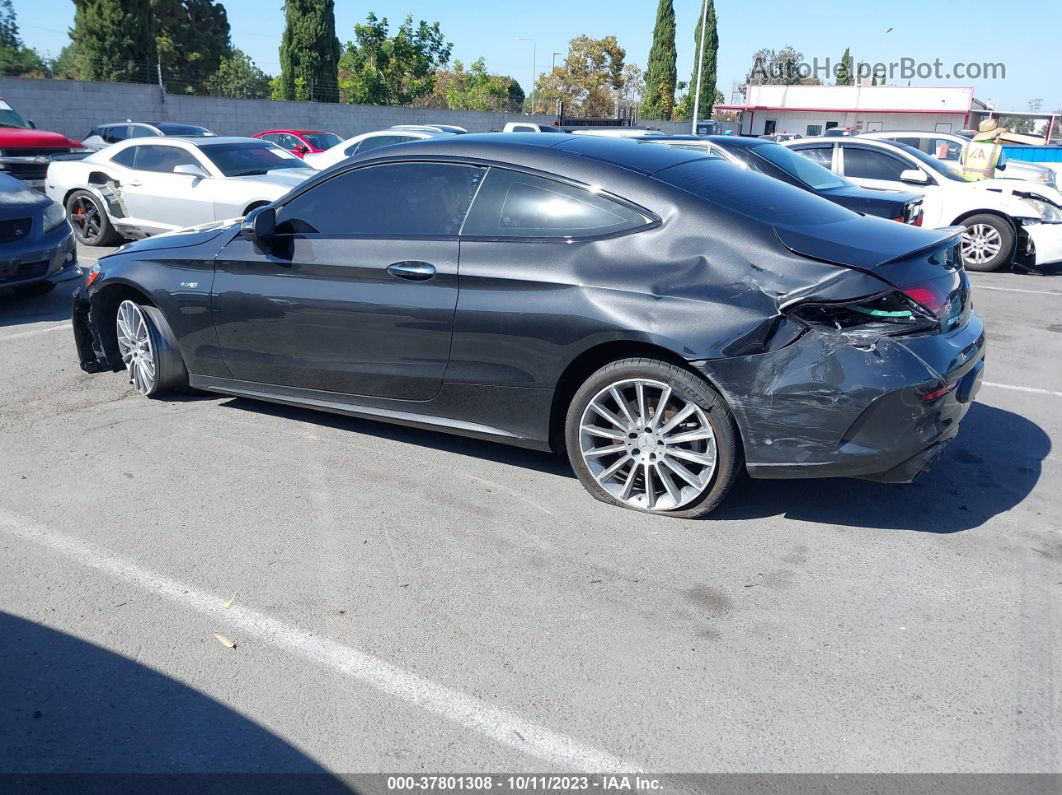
(17, 310)
(438, 440)
(990, 468)
(69, 706)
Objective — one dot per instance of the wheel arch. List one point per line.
(104, 308)
(1014, 226)
(590, 361)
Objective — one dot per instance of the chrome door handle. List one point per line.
(413, 271)
(135, 183)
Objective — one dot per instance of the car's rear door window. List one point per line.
(163, 159)
(869, 164)
(377, 141)
(127, 157)
(515, 204)
(397, 199)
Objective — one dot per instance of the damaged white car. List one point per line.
(138, 188)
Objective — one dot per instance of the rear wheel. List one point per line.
(148, 349)
(987, 243)
(90, 221)
(654, 437)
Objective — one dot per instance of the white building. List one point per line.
(811, 110)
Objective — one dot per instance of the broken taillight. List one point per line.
(887, 313)
(93, 275)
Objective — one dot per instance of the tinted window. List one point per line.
(322, 140)
(140, 131)
(163, 158)
(249, 157)
(115, 132)
(823, 155)
(752, 194)
(127, 157)
(866, 164)
(801, 168)
(511, 204)
(407, 199)
(188, 130)
(381, 140)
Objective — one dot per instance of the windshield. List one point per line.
(10, 118)
(246, 159)
(187, 130)
(931, 162)
(799, 167)
(322, 140)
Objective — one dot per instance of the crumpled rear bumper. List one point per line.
(825, 407)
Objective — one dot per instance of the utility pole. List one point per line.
(700, 65)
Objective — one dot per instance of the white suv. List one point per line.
(367, 141)
(1003, 223)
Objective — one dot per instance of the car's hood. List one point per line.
(861, 242)
(15, 194)
(285, 178)
(181, 238)
(1022, 188)
(18, 138)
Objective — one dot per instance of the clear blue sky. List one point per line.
(1030, 46)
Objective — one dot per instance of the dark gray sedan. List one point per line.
(36, 244)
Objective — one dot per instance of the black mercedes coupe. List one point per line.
(665, 318)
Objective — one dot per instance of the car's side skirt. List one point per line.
(441, 414)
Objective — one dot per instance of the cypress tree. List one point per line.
(115, 40)
(309, 51)
(708, 74)
(660, 73)
(192, 36)
(844, 69)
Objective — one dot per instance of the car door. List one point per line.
(823, 154)
(881, 170)
(356, 293)
(162, 199)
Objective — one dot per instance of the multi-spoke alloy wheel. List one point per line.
(136, 347)
(646, 445)
(981, 243)
(654, 437)
(89, 220)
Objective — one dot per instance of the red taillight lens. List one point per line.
(917, 220)
(93, 276)
(937, 393)
(927, 297)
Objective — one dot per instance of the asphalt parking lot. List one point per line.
(402, 600)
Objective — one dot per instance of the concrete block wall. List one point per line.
(74, 107)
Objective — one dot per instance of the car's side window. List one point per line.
(115, 133)
(401, 199)
(823, 155)
(140, 131)
(127, 157)
(514, 204)
(381, 140)
(289, 142)
(868, 164)
(163, 159)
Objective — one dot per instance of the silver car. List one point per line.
(103, 135)
(142, 187)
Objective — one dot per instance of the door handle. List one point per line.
(413, 271)
(135, 183)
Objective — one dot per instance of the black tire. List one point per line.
(686, 387)
(92, 226)
(35, 289)
(168, 370)
(1006, 237)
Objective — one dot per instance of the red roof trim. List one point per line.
(838, 110)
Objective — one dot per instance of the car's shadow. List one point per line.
(18, 310)
(991, 467)
(68, 706)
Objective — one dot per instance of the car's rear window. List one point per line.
(755, 195)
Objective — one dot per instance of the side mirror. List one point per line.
(301, 149)
(191, 169)
(32, 124)
(259, 226)
(914, 176)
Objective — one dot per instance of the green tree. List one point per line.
(238, 76)
(708, 62)
(783, 67)
(15, 58)
(472, 89)
(379, 69)
(114, 40)
(67, 65)
(309, 51)
(589, 81)
(846, 69)
(660, 72)
(191, 37)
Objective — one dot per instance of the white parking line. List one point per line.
(499, 725)
(1014, 290)
(1032, 389)
(35, 332)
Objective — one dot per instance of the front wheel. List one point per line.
(654, 437)
(92, 226)
(148, 350)
(987, 243)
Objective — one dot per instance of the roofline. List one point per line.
(840, 110)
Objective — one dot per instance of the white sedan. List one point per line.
(142, 187)
(372, 140)
(1003, 223)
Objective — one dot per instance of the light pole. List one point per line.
(885, 56)
(554, 65)
(700, 65)
(534, 67)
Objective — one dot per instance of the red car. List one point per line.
(299, 142)
(26, 151)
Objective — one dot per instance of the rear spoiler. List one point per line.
(854, 244)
